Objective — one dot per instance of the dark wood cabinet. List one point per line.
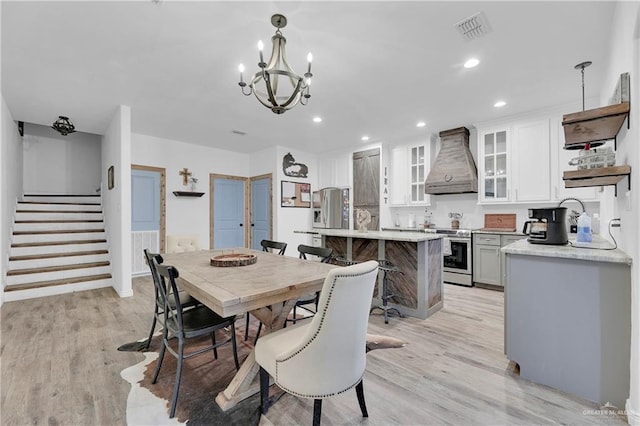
(366, 185)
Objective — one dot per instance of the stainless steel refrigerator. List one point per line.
(331, 208)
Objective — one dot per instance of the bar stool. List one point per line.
(387, 268)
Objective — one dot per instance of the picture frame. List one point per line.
(110, 178)
(295, 194)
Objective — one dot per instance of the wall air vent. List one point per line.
(474, 27)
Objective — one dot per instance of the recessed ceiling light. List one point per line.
(364, 138)
(471, 63)
(421, 124)
(499, 104)
(317, 119)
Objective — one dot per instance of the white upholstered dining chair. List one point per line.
(182, 243)
(323, 357)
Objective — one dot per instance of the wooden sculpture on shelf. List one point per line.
(363, 218)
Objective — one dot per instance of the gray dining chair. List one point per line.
(183, 325)
(268, 246)
(186, 300)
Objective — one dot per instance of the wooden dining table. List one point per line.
(268, 289)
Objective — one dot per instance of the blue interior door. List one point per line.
(260, 212)
(228, 213)
(145, 200)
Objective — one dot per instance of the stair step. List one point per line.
(41, 238)
(53, 255)
(60, 221)
(57, 243)
(61, 195)
(36, 206)
(50, 283)
(57, 231)
(54, 211)
(57, 268)
(59, 203)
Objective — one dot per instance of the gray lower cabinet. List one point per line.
(488, 262)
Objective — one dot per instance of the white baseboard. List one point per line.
(633, 416)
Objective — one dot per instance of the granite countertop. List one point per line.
(596, 252)
(381, 235)
(482, 231)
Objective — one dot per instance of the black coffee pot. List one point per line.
(549, 226)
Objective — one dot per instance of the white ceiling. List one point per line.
(379, 67)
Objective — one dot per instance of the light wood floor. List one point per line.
(60, 367)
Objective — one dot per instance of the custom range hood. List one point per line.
(454, 171)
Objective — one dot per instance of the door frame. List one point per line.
(163, 199)
(251, 179)
(247, 203)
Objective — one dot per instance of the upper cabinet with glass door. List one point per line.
(494, 173)
(409, 169)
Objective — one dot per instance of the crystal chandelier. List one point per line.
(269, 84)
(63, 125)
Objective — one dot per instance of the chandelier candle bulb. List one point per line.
(241, 69)
(260, 49)
(309, 59)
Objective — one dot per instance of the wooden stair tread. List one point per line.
(58, 202)
(41, 284)
(60, 195)
(54, 255)
(57, 243)
(58, 231)
(60, 221)
(59, 211)
(57, 268)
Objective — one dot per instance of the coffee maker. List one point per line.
(549, 226)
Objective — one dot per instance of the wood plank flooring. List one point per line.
(60, 366)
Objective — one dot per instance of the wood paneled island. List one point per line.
(419, 288)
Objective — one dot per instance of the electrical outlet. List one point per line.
(627, 195)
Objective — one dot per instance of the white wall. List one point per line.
(116, 152)
(56, 164)
(625, 57)
(10, 182)
(187, 215)
(293, 218)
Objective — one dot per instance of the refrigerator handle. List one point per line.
(323, 211)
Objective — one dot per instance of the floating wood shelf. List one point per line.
(595, 125)
(602, 176)
(188, 194)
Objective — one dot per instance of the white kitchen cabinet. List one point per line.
(409, 169)
(334, 171)
(514, 162)
(531, 161)
(493, 167)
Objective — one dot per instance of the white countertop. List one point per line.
(380, 235)
(596, 251)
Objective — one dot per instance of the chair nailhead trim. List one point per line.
(324, 313)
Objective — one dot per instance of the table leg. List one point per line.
(246, 381)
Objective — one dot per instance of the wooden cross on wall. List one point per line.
(185, 173)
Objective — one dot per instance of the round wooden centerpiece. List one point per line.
(234, 259)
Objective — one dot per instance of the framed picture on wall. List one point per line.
(110, 178)
(295, 194)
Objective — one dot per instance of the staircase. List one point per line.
(58, 245)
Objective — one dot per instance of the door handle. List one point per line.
(253, 224)
(241, 224)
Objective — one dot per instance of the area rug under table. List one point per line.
(202, 379)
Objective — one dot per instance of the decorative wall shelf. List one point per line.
(602, 176)
(595, 125)
(188, 194)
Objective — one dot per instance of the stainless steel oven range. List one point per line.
(457, 265)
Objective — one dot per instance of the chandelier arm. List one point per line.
(296, 93)
(270, 91)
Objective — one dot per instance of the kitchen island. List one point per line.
(568, 317)
(418, 289)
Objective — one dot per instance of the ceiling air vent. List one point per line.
(238, 132)
(474, 27)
